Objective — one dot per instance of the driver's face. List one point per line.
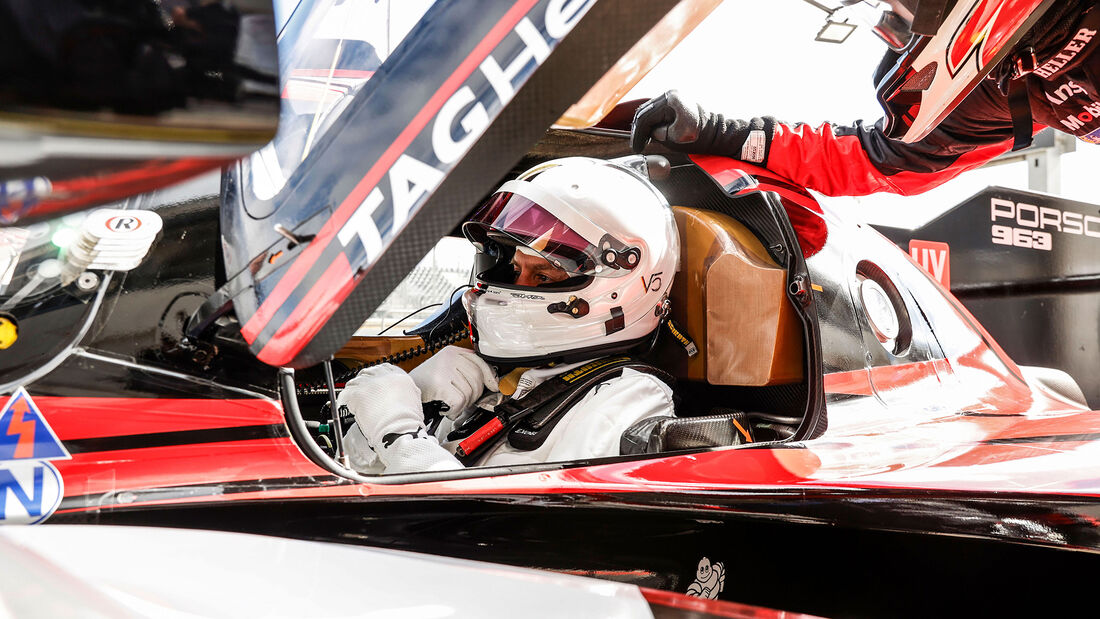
(535, 270)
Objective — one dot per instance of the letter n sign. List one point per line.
(933, 257)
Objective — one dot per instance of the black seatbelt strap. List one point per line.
(1020, 107)
(547, 402)
(532, 430)
(1014, 84)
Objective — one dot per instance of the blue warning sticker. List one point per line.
(31, 487)
(32, 490)
(24, 433)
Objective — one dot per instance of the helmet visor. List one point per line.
(513, 220)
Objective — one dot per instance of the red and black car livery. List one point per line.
(887, 427)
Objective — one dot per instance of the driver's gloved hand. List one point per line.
(387, 409)
(456, 377)
(384, 400)
(684, 126)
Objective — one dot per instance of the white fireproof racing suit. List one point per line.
(389, 435)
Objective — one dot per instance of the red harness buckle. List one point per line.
(475, 440)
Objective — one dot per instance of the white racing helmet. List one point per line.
(607, 227)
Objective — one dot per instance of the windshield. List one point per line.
(442, 271)
(45, 299)
(328, 50)
(32, 260)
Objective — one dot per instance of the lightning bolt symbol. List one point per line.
(23, 428)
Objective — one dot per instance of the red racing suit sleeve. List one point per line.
(859, 159)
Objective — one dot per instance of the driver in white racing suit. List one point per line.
(576, 258)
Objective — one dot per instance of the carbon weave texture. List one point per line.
(694, 433)
(579, 60)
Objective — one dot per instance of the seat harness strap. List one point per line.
(528, 422)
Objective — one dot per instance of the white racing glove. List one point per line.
(455, 376)
(387, 409)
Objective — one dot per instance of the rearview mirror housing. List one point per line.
(100, 100)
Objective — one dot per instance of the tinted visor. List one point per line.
(509, 219)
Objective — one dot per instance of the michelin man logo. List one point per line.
(710, 580)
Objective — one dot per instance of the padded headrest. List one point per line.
(730, 297)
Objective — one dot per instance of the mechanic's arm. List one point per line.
(387, 408)
(833, 159)
(594, 426)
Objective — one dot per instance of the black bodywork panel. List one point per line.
(784, 549)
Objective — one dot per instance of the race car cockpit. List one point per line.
(736, 343)
(320, 239)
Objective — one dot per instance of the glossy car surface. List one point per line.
(909, 440)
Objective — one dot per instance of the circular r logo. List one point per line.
(123, 223)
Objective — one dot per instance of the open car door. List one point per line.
(398, 117)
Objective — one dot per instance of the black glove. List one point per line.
(685, 127)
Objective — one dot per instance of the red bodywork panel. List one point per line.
(966, 423)
(702, 608)
(73, 194)
(904, 443)
(990, 26)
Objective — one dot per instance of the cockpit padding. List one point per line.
(730, 297)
